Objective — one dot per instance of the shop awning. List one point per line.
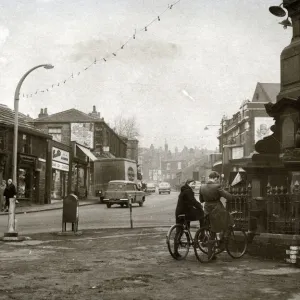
(218, 163)
(87, 152)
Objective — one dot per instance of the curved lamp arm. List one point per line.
(17, 92)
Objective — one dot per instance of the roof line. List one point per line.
(64, 111)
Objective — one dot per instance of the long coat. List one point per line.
(10, 191)
(210, 194)
(188, 205)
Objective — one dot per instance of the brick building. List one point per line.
(32, 174)
(89, 138)
(248, 125)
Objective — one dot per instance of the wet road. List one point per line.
(157, 210)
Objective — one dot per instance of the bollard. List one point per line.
(11, 217)
(11, 233)
(130, 210)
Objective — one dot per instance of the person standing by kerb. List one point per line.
(9, 192)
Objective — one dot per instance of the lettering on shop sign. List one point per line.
(60, 166)
(61, 156)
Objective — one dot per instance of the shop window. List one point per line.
(24, 183)
(55, 132)
(59, 184)
(26, 144)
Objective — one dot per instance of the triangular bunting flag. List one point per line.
(237, 179)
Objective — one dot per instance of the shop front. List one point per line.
(82, 170)
(60, 173)
(27, 178)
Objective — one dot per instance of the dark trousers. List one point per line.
(7, 202)
(194, 214)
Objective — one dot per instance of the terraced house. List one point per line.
(32, 177)
(88, 137)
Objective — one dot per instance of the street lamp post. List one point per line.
(16, 107)
(222, 143)
(11, 216)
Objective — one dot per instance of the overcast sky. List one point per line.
(199, 62)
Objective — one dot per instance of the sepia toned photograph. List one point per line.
(149, 149)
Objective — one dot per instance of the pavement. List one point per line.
(56, 204)
(133, 264)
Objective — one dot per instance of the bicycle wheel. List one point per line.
(204, 236)
(236, 243)
(178, 242)
(201, 242)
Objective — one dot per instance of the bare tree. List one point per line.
(127, 127)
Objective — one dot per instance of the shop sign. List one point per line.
(61, 156)
(60, 166)
(27, 159)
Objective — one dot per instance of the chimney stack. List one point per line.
(41, 114)
(45, 112)
(94, 113)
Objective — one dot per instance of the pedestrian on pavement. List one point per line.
(188, 205)
(9, 192)
(210, 194)
(2, 198)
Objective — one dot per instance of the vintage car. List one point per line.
(164, 187)
(119, 192)
(151, 188)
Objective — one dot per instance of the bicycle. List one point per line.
(235, 242)
(182, 239)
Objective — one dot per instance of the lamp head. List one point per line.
(277, 11)
(48, 66)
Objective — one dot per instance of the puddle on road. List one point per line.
(197, 273)
(295, 297)
(55, 247)
(23, 254)
(279, 271)
(270, 291)
(30, 242)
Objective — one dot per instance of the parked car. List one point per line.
(164, 187)
(196, 186)
(119, 191)
(151, 187)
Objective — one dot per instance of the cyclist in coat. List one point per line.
(188, 205)
(210, 194)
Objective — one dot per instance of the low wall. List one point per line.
(273, 246)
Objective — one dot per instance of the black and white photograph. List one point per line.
(149, 149)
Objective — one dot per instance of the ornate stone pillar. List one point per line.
(290, 56)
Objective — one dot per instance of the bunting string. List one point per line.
(103, 59)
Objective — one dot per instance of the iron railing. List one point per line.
(282, 209)
(278, 212)
(240, 205)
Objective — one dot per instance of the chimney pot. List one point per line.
(41, 111)
(94, 108)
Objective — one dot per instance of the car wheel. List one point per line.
(159, 192)
(141, 204)
(108, 205)
(122, 205)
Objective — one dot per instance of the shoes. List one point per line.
(210, 250)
